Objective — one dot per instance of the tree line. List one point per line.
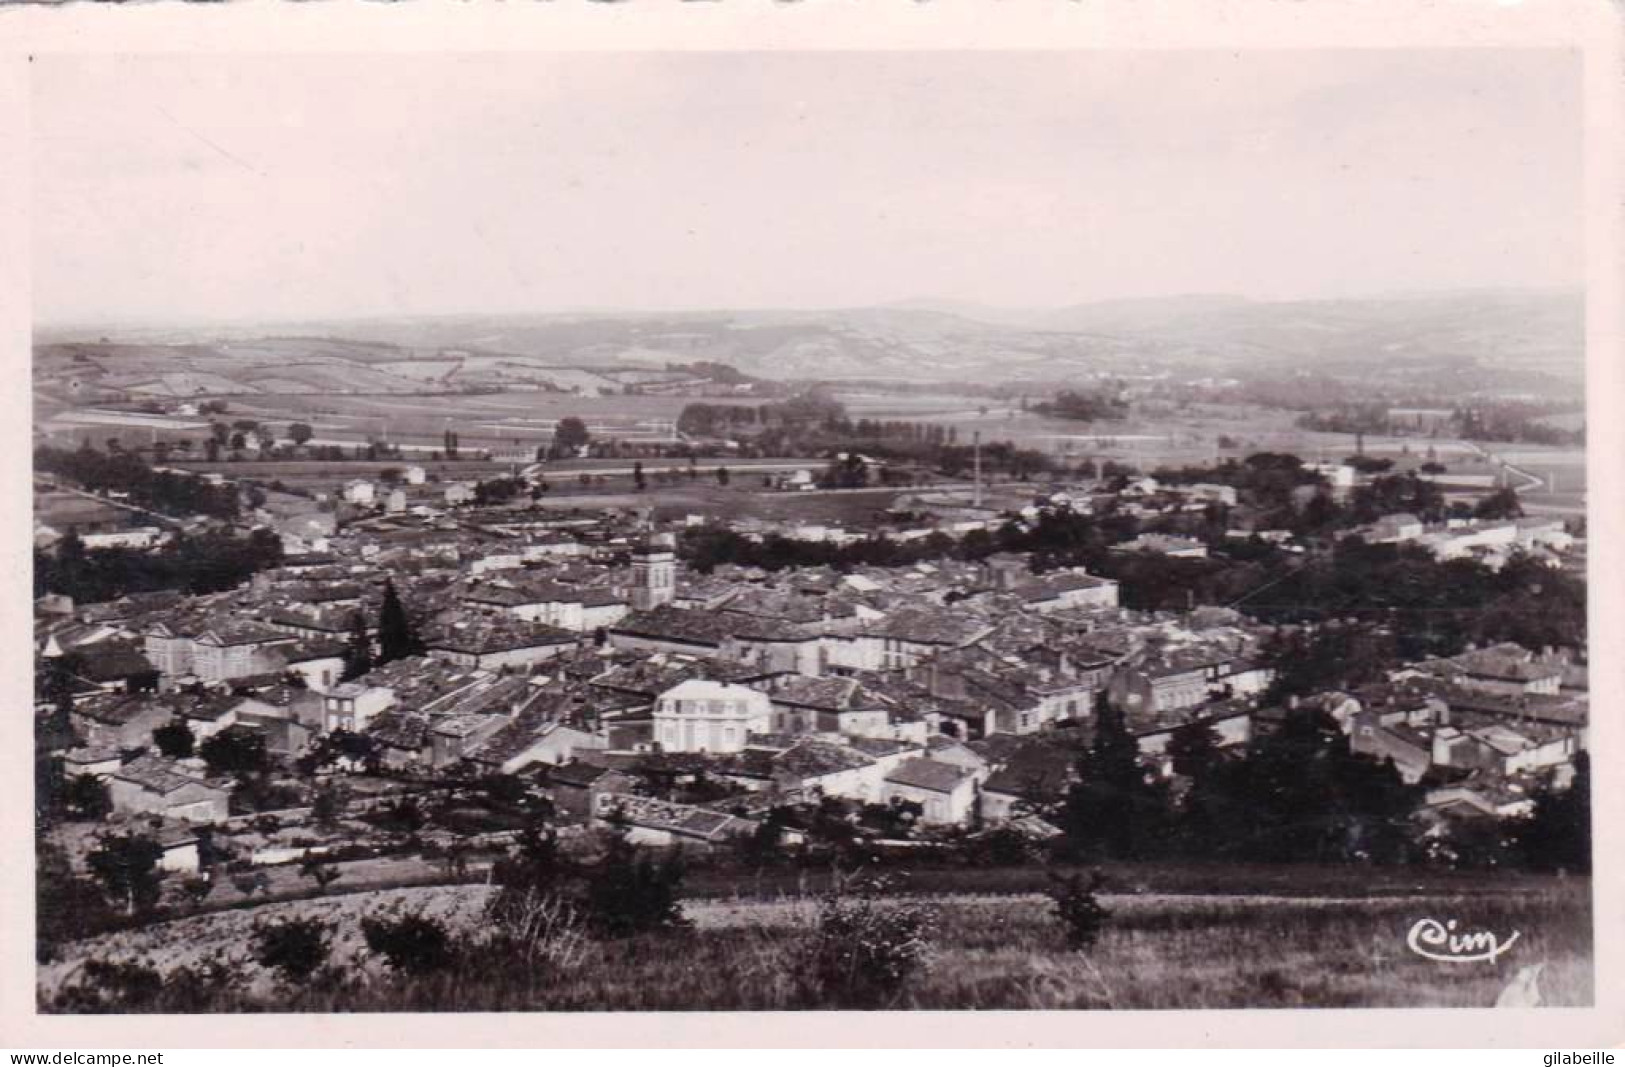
(1295, 793)
(1507, 421)
(1432, 606)
(1080, 406)
(196, 564)
(180, 495)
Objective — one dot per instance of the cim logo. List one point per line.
(1435, 940)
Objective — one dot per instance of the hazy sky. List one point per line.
(282, 187)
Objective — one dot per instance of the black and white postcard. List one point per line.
(1084, 515)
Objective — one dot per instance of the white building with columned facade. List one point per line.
(705, 716)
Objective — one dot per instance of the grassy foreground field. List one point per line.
(986, 952)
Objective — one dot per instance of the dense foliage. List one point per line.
(410, 943)
(625, 891)
(293, 948)
(1431, 607)
(1076, 901)
(178, 495)
(237, 752)
(865, 949)
(126, 865)
(813, 423)
(203, 563)
(1297, 793)
(1556, 836)
(1083, 407)
(1505, 420)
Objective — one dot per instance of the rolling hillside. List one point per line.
(1530, 339)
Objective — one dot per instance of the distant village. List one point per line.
(616, 532)
(416, 642)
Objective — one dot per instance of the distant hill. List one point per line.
(1529, 330)
(1140, 315)
(1536, 335)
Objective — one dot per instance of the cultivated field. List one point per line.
(481, 420)
(497, 421)
(1193, 436)
(742, 500)
(612, 485)
(1002, 951)
(71, 509)
(1145, 440)
(1562, 469)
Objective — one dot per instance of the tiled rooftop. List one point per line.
(930, 774)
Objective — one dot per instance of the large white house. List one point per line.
(360, 491)
(139, 537)
(704, 716)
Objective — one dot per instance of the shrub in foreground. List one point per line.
(121, 986)
(865, 949)
(535, 929)
(411, 943)
(631, 892)
(294, 948)
(1078, 907)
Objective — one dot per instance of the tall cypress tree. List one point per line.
(358, 652)
(55, 731)
(1557, 834)
(1113, 808)
(396, 637)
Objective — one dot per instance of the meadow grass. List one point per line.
(1157, 952)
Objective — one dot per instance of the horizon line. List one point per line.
(916, 303)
